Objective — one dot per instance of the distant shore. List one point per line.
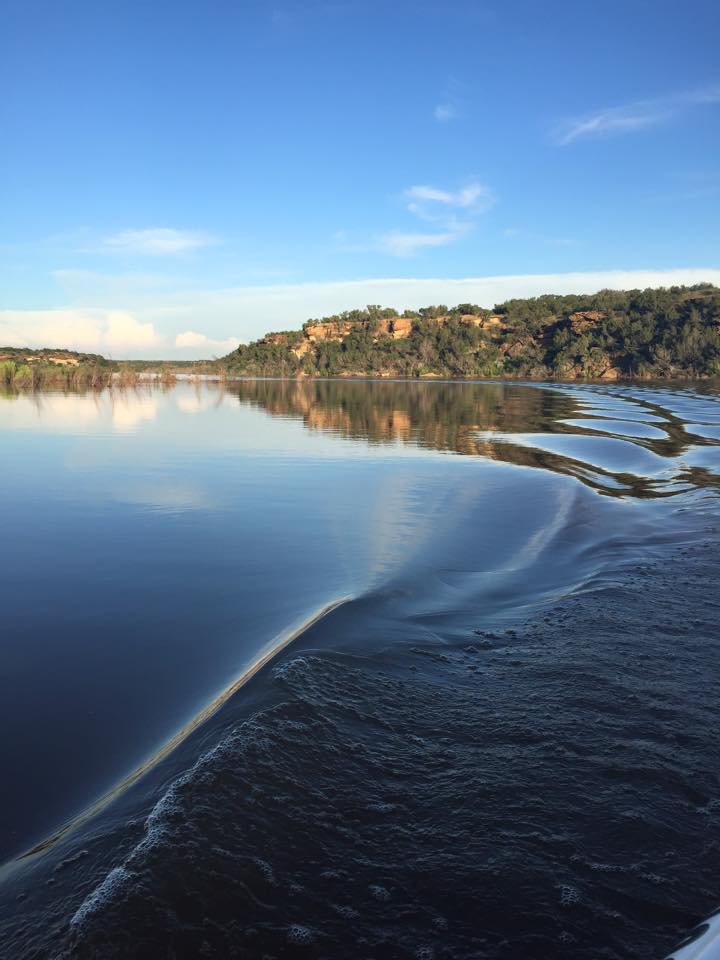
(83, 378)
(612, 335)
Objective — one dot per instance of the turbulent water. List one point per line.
(502, 741)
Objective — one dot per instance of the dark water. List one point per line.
(502, 743)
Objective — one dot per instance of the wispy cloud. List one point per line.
(87, 286)
(400, 244)
(518, 233)
(280, 18)
(639, 115)
(448, 106)
(444, 112)
(614, 120)
(427, 201)
(157, 242)
(452, 213)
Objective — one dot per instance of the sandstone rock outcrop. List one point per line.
(584, 319)
(335, 330)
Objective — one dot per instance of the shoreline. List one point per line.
(170, 379)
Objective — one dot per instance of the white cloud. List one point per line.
(193, 340)
(613, 120)
(475, 196)
(123, 331)
(444, 112)
(190, 339)
(400, 244)
(157, 242)
(286, 306)
(91, 331)
(439, 207)
(634, 116)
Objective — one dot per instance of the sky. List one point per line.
(176, 177)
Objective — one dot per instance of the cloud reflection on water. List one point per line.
(622, 441)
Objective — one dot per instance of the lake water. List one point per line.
(160, 543)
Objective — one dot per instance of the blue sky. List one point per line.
(174, 176)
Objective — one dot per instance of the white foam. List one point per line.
(300, 934)
(115, 883)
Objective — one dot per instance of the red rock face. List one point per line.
(400, 328)
(584, 319)
(485, 323)
(328, 331)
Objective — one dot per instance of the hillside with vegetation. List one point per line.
(610, 335)
(24, 368)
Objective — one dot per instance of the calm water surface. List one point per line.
(158, 542)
